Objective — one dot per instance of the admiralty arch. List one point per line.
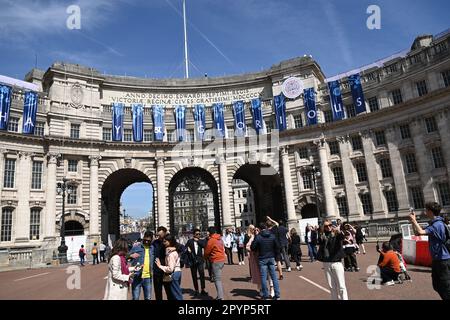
(369, 166)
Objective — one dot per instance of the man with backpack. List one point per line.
(439, 242)
(82, 254)
(94, 253)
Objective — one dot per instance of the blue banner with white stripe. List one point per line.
(280, 112)
(239, 118)
(180, 122)
(29, 112)
(357, 93)
(309, 98)
(138, 122)
(257, 115)
(158, 122)
(5, 105)
(200, 121)
(117, 114)
(337, 106)
(219, 120)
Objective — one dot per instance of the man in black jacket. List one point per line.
(331, 253)
(197, 263)
(267, 246)
(160, 252)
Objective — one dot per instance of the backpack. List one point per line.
(81, 252)
(447, 235)
(185, 260)
(94, 250)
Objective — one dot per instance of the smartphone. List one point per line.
(334, 223)
(411, 210)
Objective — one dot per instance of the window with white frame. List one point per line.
(405, 132)
(380, 138)
(13, 124)
(356, 143)
(307, 181)
(36, 175)
(444, 193)
(35, 223)
(6, 224)
(422, 88)
(334, 147)
(338, 176)
(386, 168)
(397, 96)
(9, 173)
(298, 121)
(107, 134)
(391, 200)
(373, 104)
(342, 206)
(72, 194)
(366, 201)
(361, 171)
(411, 164)
(72, 165)
(417, 197)
(39, 129)
(431, 125)
(438, 159)
(74, 131)
(303, 153)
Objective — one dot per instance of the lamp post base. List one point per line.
(62, 255)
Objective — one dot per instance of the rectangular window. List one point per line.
(303, 153)
(307, 181)
(397, 96)
(298, 121)
(245, 208)
(334, 147)
(444, 193)
(72, 195)
(148, 135)
(342, 206)
(328, 115)
(357, 143)
(380, 138)
(72, 166)
(411, 164)
(338, 176)
(36, 175)
(6, 229)
(361, 171)
(74, 131)
(431, 124)
(417, 197)
(446, 77)
(373, 104)
(128, 135)
(35, 224)
(366, 201)
(391, 200)
(107, 134)
(386, 169)
(422, 88)
(351, 111)
(405, 132)
(438, 159)
(39, 129)
(244, 193)
(10, 169)
(13, 124)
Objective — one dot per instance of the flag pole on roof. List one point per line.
(186, 60)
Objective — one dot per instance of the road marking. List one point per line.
(315, 284)
(37, 275)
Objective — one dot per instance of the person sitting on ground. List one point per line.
(389, 264)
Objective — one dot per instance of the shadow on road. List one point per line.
(191, 292)
(419, 270)
(249, 293)
(246, 279)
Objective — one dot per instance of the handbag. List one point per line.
(167, 277)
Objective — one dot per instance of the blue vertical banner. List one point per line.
(219, 120)
(357, 93)
(29, 112)
(138, 122)
(239, 118)
(257, 115)
(200, 121)
(280, 112)
(117, 117)
(180, 122)
(309, 98)
(337, 106)
(158, 122)
(5, 105)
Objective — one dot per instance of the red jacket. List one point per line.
(215, 250)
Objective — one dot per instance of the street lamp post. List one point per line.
(315, 173)
(61, 188)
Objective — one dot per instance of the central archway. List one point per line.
(112, 190)
(195, 185)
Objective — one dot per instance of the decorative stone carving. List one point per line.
(76, 96)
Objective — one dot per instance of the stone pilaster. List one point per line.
(23, 186)
(93, 199)
(224, 192)
(163, 218)
(288, 190)
(325, 177)
(50, 202)
(444, 130)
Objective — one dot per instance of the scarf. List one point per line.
(123, 264)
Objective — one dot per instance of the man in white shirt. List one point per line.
(102, 252)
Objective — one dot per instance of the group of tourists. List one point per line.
(103, 250)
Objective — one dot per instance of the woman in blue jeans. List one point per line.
(172, 269)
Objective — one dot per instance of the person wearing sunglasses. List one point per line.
(195, 247)
(141, 256)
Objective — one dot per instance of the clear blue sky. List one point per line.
(144, 37)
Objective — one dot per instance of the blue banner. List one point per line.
(29, 112)
(180, 122)
(337, 106)
(257, 115)
(219, 120)
(158, 122)
(309, 98)
(138, 122)
(239, 118)
(280, 112)
(117, 114)
(200, 121)
(357, 93)
(5, 105)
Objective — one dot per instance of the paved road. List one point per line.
(51, 283)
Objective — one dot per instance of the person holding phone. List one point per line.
(142, 256)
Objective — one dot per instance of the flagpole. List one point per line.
(186, 60)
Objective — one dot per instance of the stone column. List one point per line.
(424, 160)
(372, 174)
(163, 219)
(325, 177)
(50, 201)
(288, 191)
(349, 178)
(398, 172)
(444, 130)
(23, 185)
(2, 168)
(224, 192)
(93, 199)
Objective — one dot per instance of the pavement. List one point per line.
(72, 282)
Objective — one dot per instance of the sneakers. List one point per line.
(299, 268)
(240, 263)
(272, 292)
(243, 263)
(289, 269)
(389, 283)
